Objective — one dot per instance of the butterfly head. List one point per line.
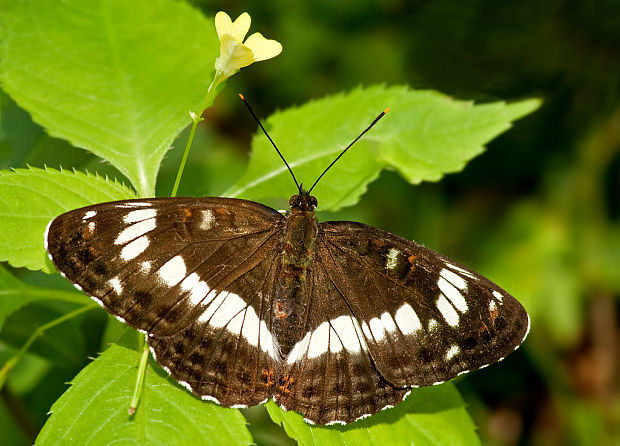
(303, 201)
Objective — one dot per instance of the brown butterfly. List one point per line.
(241, 304)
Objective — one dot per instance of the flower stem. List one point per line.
(196, 118)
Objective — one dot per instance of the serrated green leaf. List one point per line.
(425, 135)
(115, 77)
(23, 143)
(429, 416)
(30, 198)
(94, 410)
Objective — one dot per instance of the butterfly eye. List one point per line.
(294, 201)
(314, 202)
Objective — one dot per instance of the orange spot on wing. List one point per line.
(268, 374)
(411, 259)
(186, 215)
(287, 383)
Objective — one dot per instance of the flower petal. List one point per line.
(233, 56)
(241, 26)
(263, 48)
(223, 24)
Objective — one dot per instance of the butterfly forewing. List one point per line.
(176, 269)
(425, 318)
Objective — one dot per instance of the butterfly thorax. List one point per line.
(298, 249)
(300, 232)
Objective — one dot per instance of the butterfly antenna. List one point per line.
(381, 115)
(270, 140)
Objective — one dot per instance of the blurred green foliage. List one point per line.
(539, 212)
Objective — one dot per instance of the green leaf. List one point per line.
(27, 374)
(30, 198)
(94, 409)
(425, 135)
(429, 416)
(13, 294)
(24, 143)
(63, 344)
(117, 78)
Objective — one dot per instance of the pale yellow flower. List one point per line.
(236, 54)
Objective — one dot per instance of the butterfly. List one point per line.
(241, 304)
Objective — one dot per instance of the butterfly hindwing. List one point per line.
(425, 318)
(329, 375)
